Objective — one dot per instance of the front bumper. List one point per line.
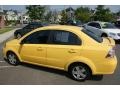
(4, 53)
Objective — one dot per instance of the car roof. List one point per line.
(62, 27)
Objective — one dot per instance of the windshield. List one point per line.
(93, 36)
(108, 25)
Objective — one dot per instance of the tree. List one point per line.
(83, 14)
(36, 12)
(64, 18)
(48, 16)
(103, 14)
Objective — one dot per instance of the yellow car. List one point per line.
(79, 52)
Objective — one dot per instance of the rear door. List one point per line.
(63, 47)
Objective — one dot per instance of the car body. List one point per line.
(117, 23)
(29, 27)
(67, 48)
(103, 29)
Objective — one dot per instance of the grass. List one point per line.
(5, 29)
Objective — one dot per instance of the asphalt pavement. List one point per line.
(26, 74)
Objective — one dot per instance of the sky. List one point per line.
(20, 8)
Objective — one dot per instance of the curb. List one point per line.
(7, 35)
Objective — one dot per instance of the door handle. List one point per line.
(39, 48)
(72, 51)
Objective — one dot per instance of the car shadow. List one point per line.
(117, 42)
(59, 72)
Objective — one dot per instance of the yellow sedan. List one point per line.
(79, 52)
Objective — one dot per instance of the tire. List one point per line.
(12, 59)
(18, 35)
(79, 72)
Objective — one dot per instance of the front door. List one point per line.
(34, 48)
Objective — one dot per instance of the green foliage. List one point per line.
(5, 29)
(83, 14)
(103, 14)
(48, 16)
(64, 18)
(36, 12)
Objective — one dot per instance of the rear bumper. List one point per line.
(107, 67)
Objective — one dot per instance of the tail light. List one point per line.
(111, 53)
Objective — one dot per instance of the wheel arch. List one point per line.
(87, 63)
(14, 53)
(104, 34)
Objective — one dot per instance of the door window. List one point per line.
(96, 25)
(39, 37)
(64, 38)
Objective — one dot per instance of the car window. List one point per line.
(108, 25)
(64, 38)
(93, 35)
(37, 25)
(91, 24)
(97, 25)
(39, 37)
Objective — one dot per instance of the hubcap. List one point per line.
(12, 59)
(79, 72)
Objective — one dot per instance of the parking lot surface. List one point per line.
(25, 74)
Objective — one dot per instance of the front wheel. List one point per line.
(12, 59)
(79, 72)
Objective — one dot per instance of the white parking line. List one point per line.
(2, 61)
(1, 67)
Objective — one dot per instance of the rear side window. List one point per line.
(93, 35)
(97, 25)
(64, 38)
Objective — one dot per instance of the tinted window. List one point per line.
(93, 36)
(64, 37)
(92, 24)
(37, 25)
(97, 25)
(39, 37)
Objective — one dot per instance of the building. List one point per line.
(11, 15)
(2, 22)
(70, 13)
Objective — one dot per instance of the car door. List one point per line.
(33, 47)
(65, 46)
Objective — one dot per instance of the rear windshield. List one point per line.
(93, 35)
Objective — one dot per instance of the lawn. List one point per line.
(6, 29)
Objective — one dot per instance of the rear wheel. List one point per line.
(12, 58)
(79, 72)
